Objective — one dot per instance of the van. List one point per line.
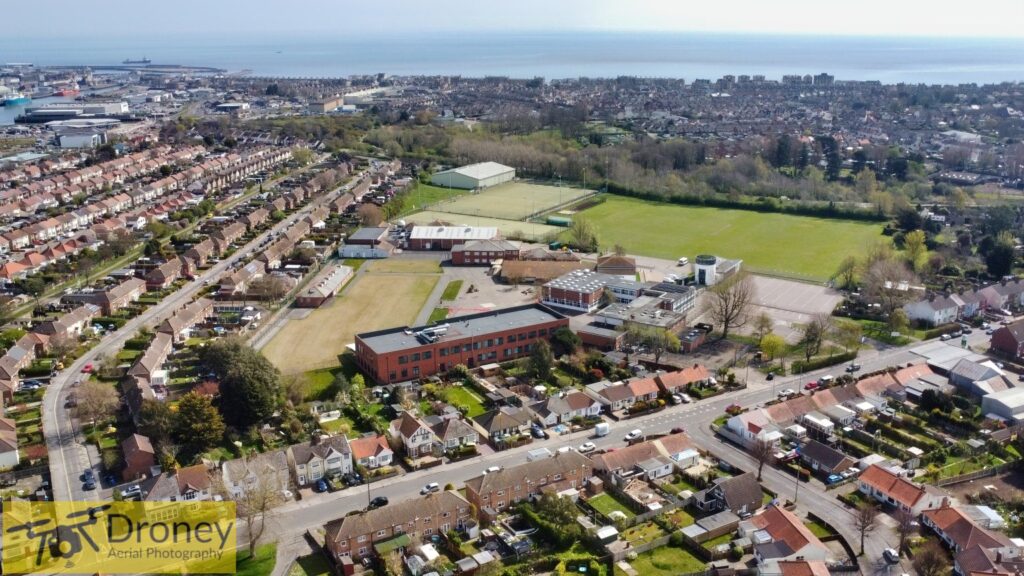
(684, 261)
(537, 454)
(601, 429)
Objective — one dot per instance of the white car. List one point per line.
(432, 487)
(634, 435)
(587, 447)
(492, 469)
(787, 392)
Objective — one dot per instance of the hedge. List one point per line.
(937, 332)
(801, 366)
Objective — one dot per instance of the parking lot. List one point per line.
(789, 303)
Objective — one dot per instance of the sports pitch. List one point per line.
(508, 228)
(510, 201)
(783, 244)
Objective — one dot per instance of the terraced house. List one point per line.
(494, 492)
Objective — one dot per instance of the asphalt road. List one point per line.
(68, 456)
(288, 523)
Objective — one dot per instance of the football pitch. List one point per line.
(510, 201)
(783, 244)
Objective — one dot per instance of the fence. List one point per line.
(646, 547)
(975, 475)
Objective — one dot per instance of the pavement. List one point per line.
(68, 455)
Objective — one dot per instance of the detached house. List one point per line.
(268, 470)
(317, 459)
(453, 433)
(371, 451)
(563, 408)
(739, 494)
(416, 437)
(778, 537)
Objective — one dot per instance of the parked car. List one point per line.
(320, 486)
(87, 475)
(833, 478)
(676, 399)
(538, 432)
(686, 398)
(811, 386)
(853, 367)
(634, 434)
(492, 469)
(945, 337)
(587, 447)
(677, 430)
(891, 556)
(87, 369)
(770, 376)
(378, 502)
(432, 487)
(787, 392)
(89, 485)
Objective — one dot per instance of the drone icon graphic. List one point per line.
(63, 541)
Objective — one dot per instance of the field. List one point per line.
(510, 201)
(800, 246)
(425, 195)
(383, 297)
(508, 228)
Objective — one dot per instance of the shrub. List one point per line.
(801, 366)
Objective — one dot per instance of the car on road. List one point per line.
(320, 486)
(677, 430)
(945, 337)
(787, 392)
(89, 485)
(811, 386)
(770, 376)
(378, 502)
(87, 369)
(538, 432)
(492, 469)
(587, 447)
(891, 556)
(853, 367)
(88, 475)
(432, 487)
(634, 434)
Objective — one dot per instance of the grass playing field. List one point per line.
(510, 201)
(380, 298)
(508, 228)
(426, 195)
(794, 245)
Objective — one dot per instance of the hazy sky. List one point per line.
(76, 18)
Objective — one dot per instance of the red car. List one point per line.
(87, 368)
(811, 386)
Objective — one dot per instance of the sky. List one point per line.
(114, 18)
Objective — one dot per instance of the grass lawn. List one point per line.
(714, 542)
(606, 504)
(393, 265)
(437, 315)
(679, 518)
(509, 228)
(684, 484)
(262, 564)
(459, 395)
(764, 241)
(643, 533)
(370, 302)
(512, 200)
(354, 263)
(818, 529)
(312, 565)
(451, 291)
(666, 561)
(318, 384)
(966, 465)
(423, 196)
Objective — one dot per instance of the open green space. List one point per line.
(372, 301)
(424, 196)
(606, 504)
(512, 229)
(451, 291)
(404, 266)
(459, 396)
(781, 243)
(665, 561)
(314, 564)
(437, 315)
(512, 200)
(318, 384)
(642, 533)
(260, 564)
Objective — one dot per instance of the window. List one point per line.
(446, 514)
(405, 373)
(362, 551)
(501, 492)
(380, 533)
(455, 349)
(543, 332)
(428, 531)
(533, 334)
(490, 342)
(416, 357)
(522, 337)
(500, 341)
(518, 487)
(415, 371)
(444, 352)
(362, 538)
(403, 359)
(427, 355)
(466, 348)
(392, 376)
(476, 345)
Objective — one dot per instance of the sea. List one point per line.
(550, 55)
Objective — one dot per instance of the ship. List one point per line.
(67, 92)
(143, 61)
(16, 99)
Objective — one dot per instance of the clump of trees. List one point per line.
(250, 386)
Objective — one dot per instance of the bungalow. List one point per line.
(891, 489)
(371, 451)
(269, 470)
(680, 380)
(504, 421)
(563, 408)
(320, 458)
(825, 459)
(614, 396)
(652, 459)
(416, 437)
(453, 433)
(959, 531)
(644, 389)
(779, 536)
(753, 427)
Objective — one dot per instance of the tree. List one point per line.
(393, 563)
(268, 287)
(931, 560)
(541, 360)
(659, 341)
(846, 273)
(197, 424)
(905, 525)
(898, 321)
(772, 345)
(249, 384)
(848, 334)
(258, 498)
(369, 215)
(583, 234)
(302, 156)
(728, 302)
(915, 248)
(156, 421)
(864, 521)
(565, 342)
(815, 333)
(887, 282)
(61, 345)
(763, 325)
(96, 401)
(1000, 258)
(762, 452)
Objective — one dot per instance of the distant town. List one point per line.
(496, 326)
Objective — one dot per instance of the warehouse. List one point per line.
(447, 237)
(482, 175)
(401, 354)
(323, 287)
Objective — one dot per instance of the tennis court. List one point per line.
(511, 229)
(511, 201)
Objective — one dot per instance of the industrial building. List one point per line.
(447, 237)
(582, 290)
(474, 176)
(401, 354)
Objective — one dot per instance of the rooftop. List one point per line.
(479, 171)
(453, 233)
(590, 281)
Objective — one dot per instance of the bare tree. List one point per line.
(846, 274)
(763, 325)
(268, 288)
(728, 302)
(814, 334)
(261, 491)
(887, 282)
(905, 526)
(61, 345)
(393, 564)
(931, 560)
(96, 401)
(762, 452)
(864, 521)
(369, 215)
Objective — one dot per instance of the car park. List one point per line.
(431, 487)
(587, 447)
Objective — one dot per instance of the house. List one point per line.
(753, 427)
(825, 459)
(114, 298)
(652, 459)
(935, 310)
(180, 325)
(502, 489)
(153, 358)
(779, 536)
(452, 433)
(644, 389)
(9, 457)
(164, 275)
(196, 256)
(484, 252)
(1009, 340)
(365, 534)
(371, 451)
(614, 396)
(185, 484)
(891, 489)
(238, 281)
(959, 531)
(504, 421)
(139, 457)
(416, 437)
(324, 457)
(563, 408)
(739, 494)
(268, 470)
(680, 380)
